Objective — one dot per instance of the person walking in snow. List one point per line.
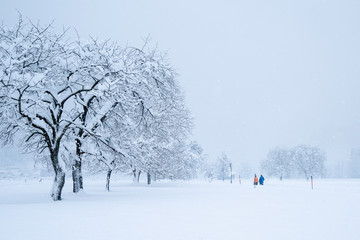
(261, 180)
(256, 181)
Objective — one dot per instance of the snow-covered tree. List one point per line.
(309, 160)
(180, 161)
(105, 60)
(39, 86)
(141, 113)
(196, 158)
(279, 162)
(223, 166)
(210, 170)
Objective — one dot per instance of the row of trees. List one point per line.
(291, 162)
(92, 104)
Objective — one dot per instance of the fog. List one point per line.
(256, 74)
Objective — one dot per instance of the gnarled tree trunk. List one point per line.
(59, 180)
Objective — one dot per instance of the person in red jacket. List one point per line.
(256, 181)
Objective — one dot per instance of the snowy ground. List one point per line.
(182, 210)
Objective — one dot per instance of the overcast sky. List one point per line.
(256, 74)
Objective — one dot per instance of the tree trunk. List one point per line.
(77, 177)
(108, 179)
(148, 178)
(136, 176)
(76, 169)
(58, 185)
(59, 180)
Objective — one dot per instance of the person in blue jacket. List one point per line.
(261, 180)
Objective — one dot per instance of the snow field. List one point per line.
(182, 210)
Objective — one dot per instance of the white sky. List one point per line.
(257, 74)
